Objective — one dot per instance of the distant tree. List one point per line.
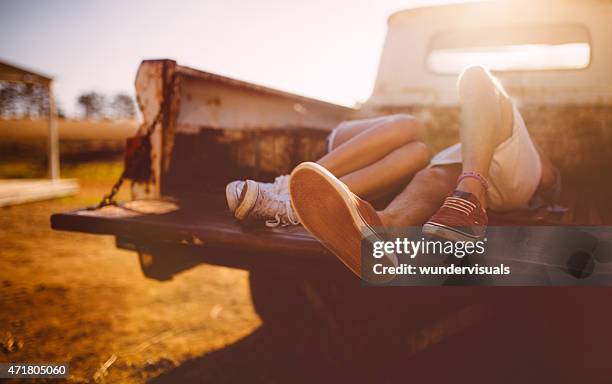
(9, 94)
(37, 104)
(93, 105)
(123, 107)
(23, 100)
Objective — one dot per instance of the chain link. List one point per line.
(109, 199)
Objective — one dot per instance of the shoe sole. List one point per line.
(447, 233)
(315, 194)
(248, 198)
(231, 195)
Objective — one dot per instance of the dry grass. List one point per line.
(71, 297)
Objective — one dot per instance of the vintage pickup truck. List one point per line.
(201, 130)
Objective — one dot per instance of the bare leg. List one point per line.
(392, 171)
(349, 129)
(422, 197)
(371, 144)
(487, 121)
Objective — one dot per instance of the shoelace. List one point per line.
(464, 206)
(285, 218)
(280, 186)
(270, 204)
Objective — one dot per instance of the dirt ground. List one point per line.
(75, 298)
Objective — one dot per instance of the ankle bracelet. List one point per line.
(474, 175)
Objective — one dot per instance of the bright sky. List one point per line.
(327, 49)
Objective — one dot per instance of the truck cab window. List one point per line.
(520, 48)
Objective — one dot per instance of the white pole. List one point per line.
(54, 170)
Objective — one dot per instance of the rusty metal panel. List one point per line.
(208, 101)
(153, 92)
(206, 161)
(254, 125)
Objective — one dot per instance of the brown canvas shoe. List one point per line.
(460, 218)
(334, 215)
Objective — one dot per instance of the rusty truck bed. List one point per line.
(211, 223)
(191, 224)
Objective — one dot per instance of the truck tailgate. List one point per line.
(191, 225)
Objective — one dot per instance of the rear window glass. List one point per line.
(532, 48)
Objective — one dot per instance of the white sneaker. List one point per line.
(232, 194)
(261, 203)
(233, 190)
(280, 185)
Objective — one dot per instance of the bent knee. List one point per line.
(415, 153)
(474, 79)
(402, 128)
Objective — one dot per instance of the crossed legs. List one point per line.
(372, 157)
(487, 122)
(377, 155)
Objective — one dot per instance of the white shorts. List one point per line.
(515, 170)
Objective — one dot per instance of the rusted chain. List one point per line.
(109, 199)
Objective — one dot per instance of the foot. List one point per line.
(475, 187)
(259, 203)
(233, 190)
(280, 185)
(232, 194)
(461, 218)
(335, 216)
